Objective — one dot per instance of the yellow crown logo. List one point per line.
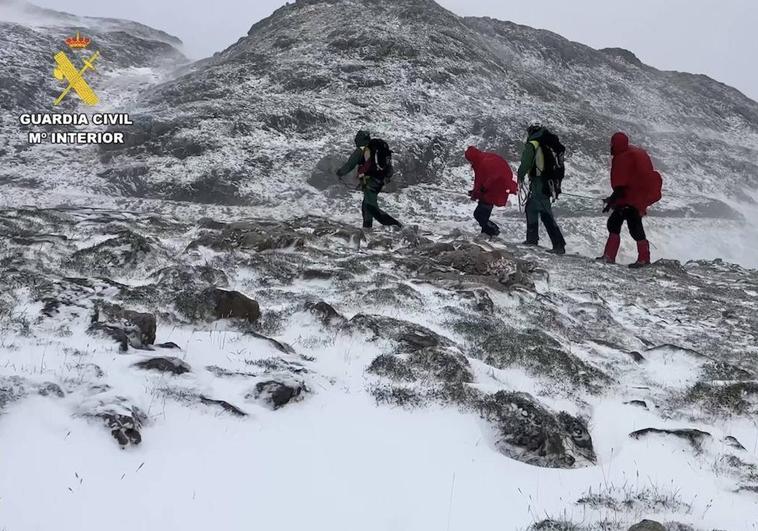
(78, 42)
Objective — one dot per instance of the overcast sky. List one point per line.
(714, 37)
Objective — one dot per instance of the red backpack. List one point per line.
(654, 188)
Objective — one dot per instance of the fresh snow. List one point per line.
(339, 459)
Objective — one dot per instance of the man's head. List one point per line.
(362, 138)
(473, 154)
(534, 126)
(619, 143)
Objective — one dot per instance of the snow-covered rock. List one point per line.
(528, 378)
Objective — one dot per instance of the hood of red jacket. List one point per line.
(473, 155)
(619, 143)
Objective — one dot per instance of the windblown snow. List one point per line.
(195, 334)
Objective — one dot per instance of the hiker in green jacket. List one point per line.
(373, 158)
(542, 155)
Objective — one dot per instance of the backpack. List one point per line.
(382, 164)
(654, 188)
(554, 169)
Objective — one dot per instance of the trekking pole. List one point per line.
(438, 189)
(581, 196)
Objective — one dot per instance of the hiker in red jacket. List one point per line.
(493, 182)
(636, 185)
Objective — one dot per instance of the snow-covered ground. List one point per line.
(343, 455)
(339, 462)
(418, 380)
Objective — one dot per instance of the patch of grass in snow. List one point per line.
(635, 499)
(737, 398)
(14, 323)
(397, 396)
(555, 525)
(565, 523)
(544, 521)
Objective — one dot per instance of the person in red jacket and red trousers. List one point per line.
(636, 185)
(493, 182)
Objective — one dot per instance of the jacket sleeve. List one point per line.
(527, 160)
(621, 171)
(355, 159)
(561, 153)
(478, 185)
(552, 140)
(560, 148)
(475, 193)
(618, 193)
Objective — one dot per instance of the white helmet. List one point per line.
(534, 125)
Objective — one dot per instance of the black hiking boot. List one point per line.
(560, 251)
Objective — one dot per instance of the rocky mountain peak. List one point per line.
(358, 25)
(623, 54)
(28, 14)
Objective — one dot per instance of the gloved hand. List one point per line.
(473, 195)
(607, 203)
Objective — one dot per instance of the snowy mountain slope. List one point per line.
(187, 341)
(411, 381)
(307, 77)
(267, 120)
